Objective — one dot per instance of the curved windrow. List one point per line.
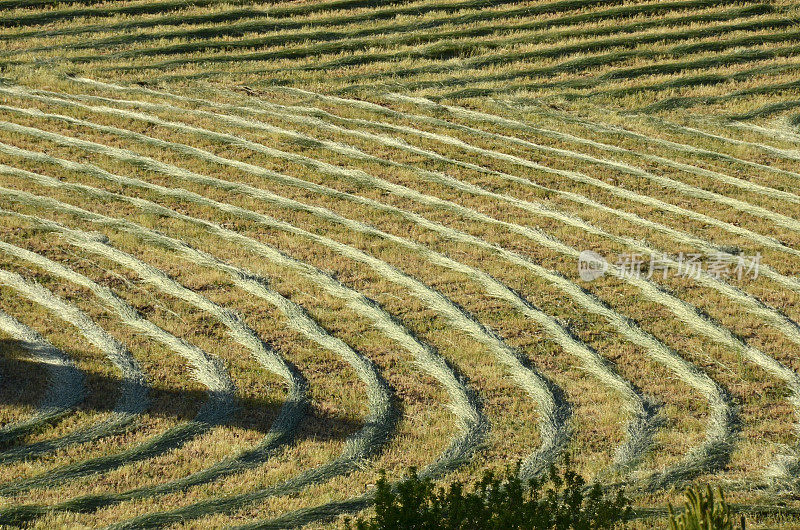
(207, 370)
(359, 446)
(711, 454)
(133, 399)
(66, 384)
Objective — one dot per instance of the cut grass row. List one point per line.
(680, 145)
(372, 37)
(539, 389)
(466, 48)
(133, 399)
(379, 139)
(689, 190)
(380, 418)
(755, 306)
(139, 522)
(392, 11)
(66, 384)
(303, 324)
(295, 483)
(534, 384)
(682, 67)
(444, 139)
(470, 131)
(354, 453)
(207, 370)
(639, 428)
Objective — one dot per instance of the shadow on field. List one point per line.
(24, 382)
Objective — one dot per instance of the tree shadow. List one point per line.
(24, 382)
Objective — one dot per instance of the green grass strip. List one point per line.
(166, 6)
(351, 40)
(389, 12)
(233, 30)
(549, 36)
(438, 50)
(574, 66)
(447, 50)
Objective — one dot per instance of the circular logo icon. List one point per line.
(591, 265)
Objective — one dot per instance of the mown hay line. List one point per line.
(556, 49)
(641, 426)
(723, 416)
(706, 79)
(206, 369)
(687, 168)
(461, 40)
(785, 154)
(754, 305)
(553, 407)
(493, 288)
(767, 241)
(133, 399)
(450, 49)
(778, 132)
(688, 313)
(688, 101)
(463, 404)
(580, 177)
(669, 144)
(614, 13)
(686, 189)
(720, 430)
(66, 384)
(379, 395)
(722, 412)
(695, 310)
(773, 316)
(378, 32)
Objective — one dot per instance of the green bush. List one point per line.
(703, 511)
(560, 501)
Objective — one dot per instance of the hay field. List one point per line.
(252, 254)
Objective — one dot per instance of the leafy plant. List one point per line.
(703, 511)
(560, 501)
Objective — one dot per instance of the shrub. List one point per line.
(560, 501)
(703, 512)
